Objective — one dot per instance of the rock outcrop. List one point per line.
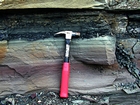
(31, 57)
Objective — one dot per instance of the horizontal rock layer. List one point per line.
(27, 66)
(93, 4)
(52, 50)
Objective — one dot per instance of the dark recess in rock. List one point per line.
(35, 24)
(31, 26)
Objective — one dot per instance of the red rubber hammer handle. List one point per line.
(65, 80)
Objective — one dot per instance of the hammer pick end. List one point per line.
(61, 32)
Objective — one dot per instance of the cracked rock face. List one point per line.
(124, 4)
(132, 46)
(136, 49)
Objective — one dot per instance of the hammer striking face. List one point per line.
(66, 64)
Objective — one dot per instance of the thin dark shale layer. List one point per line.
(31, 26)
(43, 25)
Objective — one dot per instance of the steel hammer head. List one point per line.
(68, 34)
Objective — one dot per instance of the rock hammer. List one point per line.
(66, 64)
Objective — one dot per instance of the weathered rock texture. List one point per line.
(27, 66)
(93, 4)
(31, 57)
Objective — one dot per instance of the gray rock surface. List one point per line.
(29, 66)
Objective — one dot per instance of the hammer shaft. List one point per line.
(67, 50)
(65, 80)
(65, 71)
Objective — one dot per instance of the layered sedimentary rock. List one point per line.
(27, 66)
(31, 57)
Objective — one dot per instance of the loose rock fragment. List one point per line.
(89, 98)
(104, 101)
(11, 101)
